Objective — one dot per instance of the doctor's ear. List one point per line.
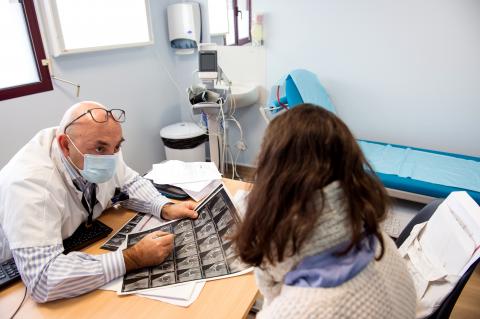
(64, 145)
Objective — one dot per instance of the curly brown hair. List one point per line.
(304, 150)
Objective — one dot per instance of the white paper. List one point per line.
(151, 223)
(240, 202)
(173, 172)
(467, 213)
(195, 186)
(198, 286)
(182, 292)
(199, 195)
(445, 242)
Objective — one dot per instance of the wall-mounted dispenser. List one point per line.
(184, 26)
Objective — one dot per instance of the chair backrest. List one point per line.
(447, 305)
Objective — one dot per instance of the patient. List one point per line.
(312, 226)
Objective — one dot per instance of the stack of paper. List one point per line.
(197, 179)
(440, 251)
(180, 295)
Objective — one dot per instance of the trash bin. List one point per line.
(184, 141)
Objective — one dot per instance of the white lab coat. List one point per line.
(39, 205)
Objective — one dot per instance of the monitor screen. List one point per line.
(207, 61)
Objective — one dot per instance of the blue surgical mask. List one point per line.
(97, 168)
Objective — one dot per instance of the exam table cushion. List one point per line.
(422, 171)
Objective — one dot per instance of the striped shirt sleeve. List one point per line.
(50, 275)
(143, 197)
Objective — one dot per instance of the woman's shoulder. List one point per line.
(383, 289)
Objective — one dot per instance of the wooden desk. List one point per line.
(226, 298)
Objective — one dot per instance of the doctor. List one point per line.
(41, 194)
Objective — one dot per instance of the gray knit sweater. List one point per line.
(383, 289)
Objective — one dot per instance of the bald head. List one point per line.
(74, 112)
(79, 133)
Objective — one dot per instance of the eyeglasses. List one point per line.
(100, 115)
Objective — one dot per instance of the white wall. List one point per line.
(133, 79)
(405, 72)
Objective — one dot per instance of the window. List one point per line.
(232, 19)
(243, 21)
(91, 25)
(22, 58)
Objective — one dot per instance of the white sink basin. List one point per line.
(243, 94)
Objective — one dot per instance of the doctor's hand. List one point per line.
(152, 250)
(179, 210)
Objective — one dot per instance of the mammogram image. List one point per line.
(216, 205)
(205, 231)
(208, 243)
(216, 269)
(166, 266)
(186, 250)
(136, 284)
(189, 274)
(202, 247)
(137, 218)
(163, 279)
(188, 262)
(224, 219)
(140, 273)
(203, 217)
(182, 226)
(127, 228)
(235, 265)
(184, 238)
(229, 249)
(212, 256)
(225, 234)
(116, 240)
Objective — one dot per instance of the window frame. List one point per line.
(45, 83)
(242, 41)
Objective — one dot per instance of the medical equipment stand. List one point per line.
(215, 140)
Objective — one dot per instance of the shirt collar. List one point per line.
(77, 179)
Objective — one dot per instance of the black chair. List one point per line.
(447, 305)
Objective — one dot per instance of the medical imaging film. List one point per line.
(118, 238)
(202, 247)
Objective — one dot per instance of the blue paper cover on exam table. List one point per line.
(409, 169)
(421, 171)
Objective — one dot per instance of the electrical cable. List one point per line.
(21, 303)
(224, 138)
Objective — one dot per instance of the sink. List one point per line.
(244, 94)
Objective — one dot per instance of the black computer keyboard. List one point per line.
(8, 272)
(84, 236)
